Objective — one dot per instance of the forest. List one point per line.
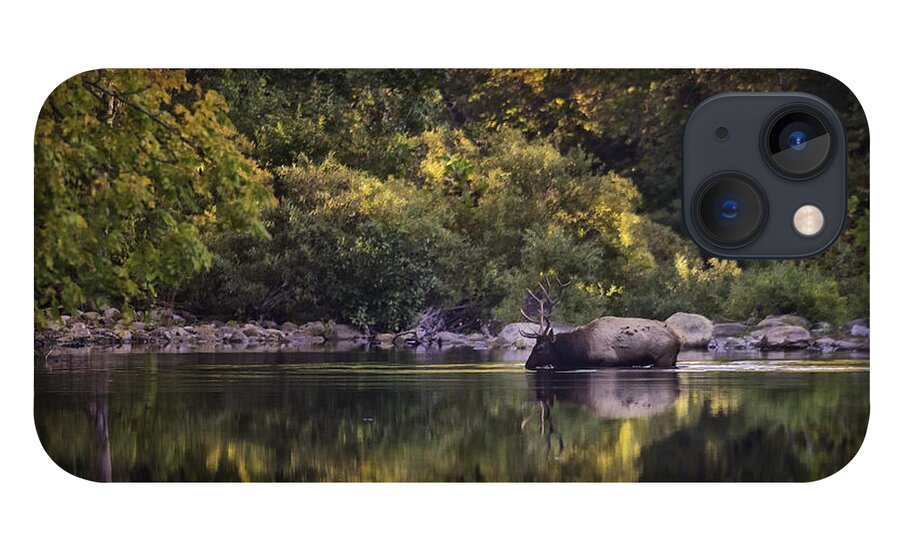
(368, 196)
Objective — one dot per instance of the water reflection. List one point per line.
(412, 417)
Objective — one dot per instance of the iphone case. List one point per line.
(349, 275)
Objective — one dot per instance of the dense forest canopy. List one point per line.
(366, 196)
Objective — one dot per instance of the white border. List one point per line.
(44, 508)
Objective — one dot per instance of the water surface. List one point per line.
(445, 416)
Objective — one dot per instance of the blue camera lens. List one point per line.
(797, 141)
(729, 209)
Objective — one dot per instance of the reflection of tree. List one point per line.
(798, 432)
(264, 425)
(98, 413)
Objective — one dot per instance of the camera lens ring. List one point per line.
(716, 219)
(779, 123)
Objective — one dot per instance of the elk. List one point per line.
(604, 342)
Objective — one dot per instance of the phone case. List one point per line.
(363, 275)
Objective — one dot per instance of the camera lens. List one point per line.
(798, 142)
(731, 209)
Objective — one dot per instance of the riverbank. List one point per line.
(180, 331)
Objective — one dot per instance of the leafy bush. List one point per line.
(131, 167)
(344, 245)
(786, 287)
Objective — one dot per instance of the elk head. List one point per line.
(541, 354)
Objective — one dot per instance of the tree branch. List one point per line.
(93, 86)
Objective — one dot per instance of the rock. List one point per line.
(694, 330)
(236, 337)
(475, 337)
(268, 324)
(825, 344)
(273, 335)
(313, 328)
(91, 318)
(205, 333)
(724, 344)
(161, 335)
(730, 329)
(858, 330)
(510, 334)
(139, 336)
(251, 330)
(111, 315)
(820, 329)
(447, 338)
(384, 337)
(289, 327)
(77, 335)
(852, 344)
(180, 333)
(305, 339)
(782, 337)
(861, 322)
(791, 320)
(338, 332)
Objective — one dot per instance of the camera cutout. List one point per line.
(731, 209)
(750, 196)
(798, 142)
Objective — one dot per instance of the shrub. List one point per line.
(344, 245)
(786, 287)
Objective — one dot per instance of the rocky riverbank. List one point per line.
(171, 330)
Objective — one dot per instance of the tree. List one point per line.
(132, 167)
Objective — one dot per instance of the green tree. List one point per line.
(132, 167)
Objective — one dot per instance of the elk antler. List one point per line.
(545, 305)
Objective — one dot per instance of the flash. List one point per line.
(808, 220)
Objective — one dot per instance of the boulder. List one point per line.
(77, 335)
(859, 330)
(730, 329)
(251, 330)
(111, 315)
(510, 335)
(205, 333)
(289, 327)
(820, 329)
(304, 339)
(90, 317)
(236, 337)
(312, 329)
(339, 331)
(791, 320)
(725, 344)
(447, 338)
(782, 337)
(272, 335)
(694, 330)
(861, 344)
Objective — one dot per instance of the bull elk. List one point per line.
(604, 342)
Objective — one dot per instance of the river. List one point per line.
(461, 415)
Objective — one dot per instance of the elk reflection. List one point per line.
(613, 394)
